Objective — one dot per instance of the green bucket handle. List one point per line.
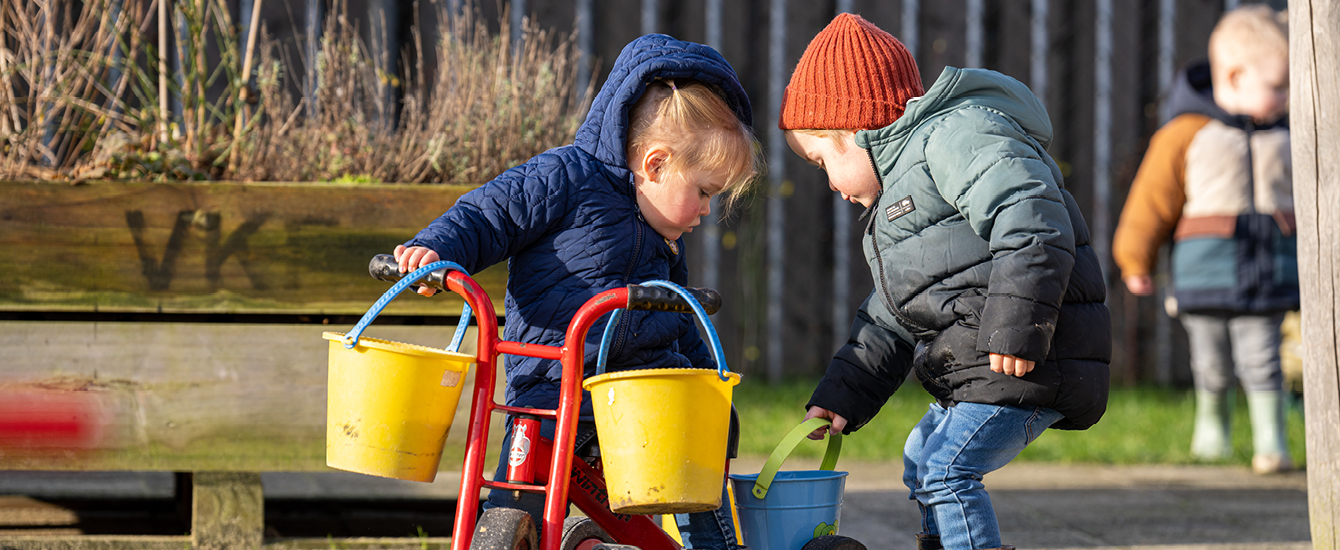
(788, 444)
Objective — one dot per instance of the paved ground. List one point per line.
(1040, 506)
(1098, 507)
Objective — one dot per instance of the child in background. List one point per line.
(985, 284)
(1217, 180)
(669, 129)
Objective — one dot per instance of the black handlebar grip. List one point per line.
(383, 267)
(655, 298)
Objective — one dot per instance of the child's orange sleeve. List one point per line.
(1157, 196)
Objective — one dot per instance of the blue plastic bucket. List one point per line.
(784, 510)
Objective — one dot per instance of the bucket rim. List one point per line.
(403, 348)
(782, 477)
(733, 378)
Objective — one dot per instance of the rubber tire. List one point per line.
(833, 542)
(579, 529)
(611, 546)
(505, 529)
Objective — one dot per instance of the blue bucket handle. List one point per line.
(788, 444)
(719, 356)
(351, 339)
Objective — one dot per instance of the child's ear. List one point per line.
(1234, 77)
(654, 162)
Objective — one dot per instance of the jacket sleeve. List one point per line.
(998, 179)
(866, 371)
(502, 217)
(1158, 193)
(692, 345)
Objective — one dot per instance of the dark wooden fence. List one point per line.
(789, 262)
(1099, 65)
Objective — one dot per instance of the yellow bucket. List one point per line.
(389, 406)
(663, 438)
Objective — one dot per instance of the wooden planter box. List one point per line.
(179, 395)
(212, 248)
(83, 388)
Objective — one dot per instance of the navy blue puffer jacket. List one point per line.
(568, 222)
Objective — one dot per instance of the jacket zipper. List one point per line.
(879, 258)
(627, 275)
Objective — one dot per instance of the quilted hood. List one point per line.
(644, 60)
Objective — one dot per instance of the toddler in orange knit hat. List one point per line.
(985, 283)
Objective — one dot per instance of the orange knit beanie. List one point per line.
(853, 76)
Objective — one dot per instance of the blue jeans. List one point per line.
(946, 456)
(713, 530)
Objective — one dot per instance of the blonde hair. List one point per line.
(1247, 35)
(693, 121)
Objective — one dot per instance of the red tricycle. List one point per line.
(568, 476)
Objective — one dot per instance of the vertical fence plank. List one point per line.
(711, 242)
(911, 27)
(586, 44)
(1102, 135)
(1315, 99)
(518, 14)
(841, 253)
(1163, 329)
(777, 75)
(385, 32)
(973, 29)
(1041, 46)
(313, 15)
(651, 16)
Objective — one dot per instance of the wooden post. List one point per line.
(227, 510)
(1314, 52)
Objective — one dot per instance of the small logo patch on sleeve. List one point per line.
(900, 208)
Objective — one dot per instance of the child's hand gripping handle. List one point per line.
(788, 444)
(383, 267)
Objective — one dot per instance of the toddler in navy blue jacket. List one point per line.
(669, 129)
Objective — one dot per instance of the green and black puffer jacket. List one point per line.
(975, 247)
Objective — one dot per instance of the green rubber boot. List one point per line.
(1212, 438)
(1270, 448)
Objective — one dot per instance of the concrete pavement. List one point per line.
(1040, 506)
(1090, 507)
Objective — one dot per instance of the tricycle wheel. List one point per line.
(833, 542)
(612, 546)
(582, 534)
(505, 529)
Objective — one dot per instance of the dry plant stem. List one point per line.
(246, 84)
(5, 127)
(203, 10)
(114, 102)
(95, 81)
(163, 115)
(486, 107)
